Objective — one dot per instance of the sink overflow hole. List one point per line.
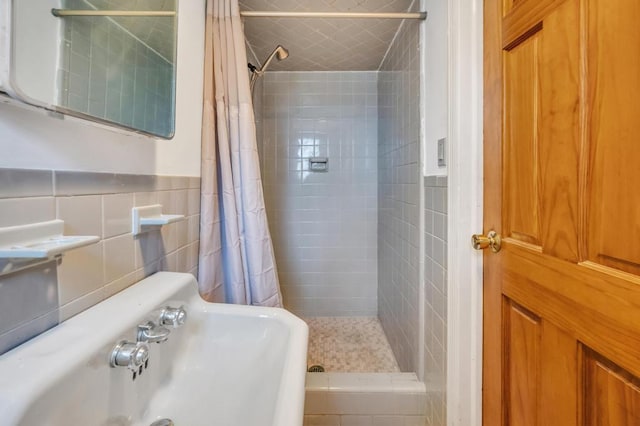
(316, 369)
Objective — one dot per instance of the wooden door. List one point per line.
(562, 187)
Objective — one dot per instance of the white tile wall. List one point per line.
(435, 332)
(116, 214)
(80, 272)
(90, 274)
(324, 225)
(22, 211)
(119, 259)
(399, 196)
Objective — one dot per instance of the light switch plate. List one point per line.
(442, 143)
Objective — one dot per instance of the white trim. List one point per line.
(333, 15)
(433, 82)
(422, 317)
(5, 36)
(464, 276)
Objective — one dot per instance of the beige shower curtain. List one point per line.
(237, 264)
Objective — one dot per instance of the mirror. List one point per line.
(110, 61)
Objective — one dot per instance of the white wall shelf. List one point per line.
(44, 240)
(142, 218)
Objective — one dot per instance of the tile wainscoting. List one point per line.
(435, 297)
(36, 299)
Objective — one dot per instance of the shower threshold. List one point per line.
(362, 381)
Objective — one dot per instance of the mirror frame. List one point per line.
(8, 83)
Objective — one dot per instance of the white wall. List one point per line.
(32, 139)
(435, 102)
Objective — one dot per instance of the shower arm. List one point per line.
(282, 54)
(264, 66)
(257, 73)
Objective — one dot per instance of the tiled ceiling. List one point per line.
(157, 33)
(318, 44)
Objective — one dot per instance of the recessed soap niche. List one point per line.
(319, 164)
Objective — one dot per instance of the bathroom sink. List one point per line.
(227, 365)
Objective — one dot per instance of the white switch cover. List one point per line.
(442, 152)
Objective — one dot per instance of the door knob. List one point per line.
(492, 240)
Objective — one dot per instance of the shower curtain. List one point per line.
(237, 263)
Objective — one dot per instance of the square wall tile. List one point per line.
(82, 215)
(119, 257)
(81, 272)
(23, 211)
(26, 295)
(116, 214)
(141, 199)
(25, 183)
(81, 304)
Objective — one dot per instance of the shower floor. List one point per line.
(349, 345)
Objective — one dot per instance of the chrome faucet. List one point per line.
(131, 355)
(173, 317)
(136, 355)
(150, 332)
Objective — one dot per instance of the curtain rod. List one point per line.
(60, 13)
(366, 15)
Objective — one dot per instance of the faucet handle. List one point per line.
(130, 355)
(152, 333)
(174, 317)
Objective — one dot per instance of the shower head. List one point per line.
(280, 52)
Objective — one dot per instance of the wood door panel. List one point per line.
(523, 18)
(541, 369)
(559, 378)
(522, 355)
(521, 141)
(542, 143)
(612, 395)
(509, 4)
(614, 103)
(571, 297)
(560, 136)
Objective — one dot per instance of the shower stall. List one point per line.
(359, 233)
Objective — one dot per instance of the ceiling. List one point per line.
(318, 44)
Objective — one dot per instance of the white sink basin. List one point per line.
(228, 365)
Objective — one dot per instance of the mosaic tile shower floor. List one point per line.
(349, 345)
